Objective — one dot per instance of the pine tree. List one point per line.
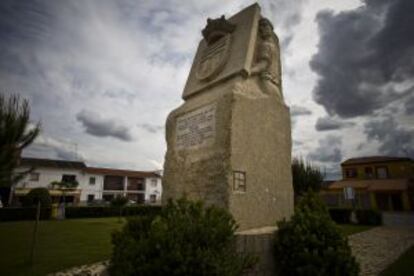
(305, 177)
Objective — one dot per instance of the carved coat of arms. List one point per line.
(214, 56)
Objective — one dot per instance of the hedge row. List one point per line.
(25, 213)
(105, 211)
(29, 213)
(369, 217)
(363, 216)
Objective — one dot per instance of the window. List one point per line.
(351, 173)
(239, 181)
(153, 198)
(136, 184)
(92, 180)
(115, 183)
(368, 172)
(91, 198)
(154, 182)
(68, 178)
(34, 177)
(382, 172)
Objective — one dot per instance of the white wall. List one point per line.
(92, 189)
(150, 189)
(48, 175)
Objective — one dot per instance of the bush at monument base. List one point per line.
(311, 244)
(185, 239)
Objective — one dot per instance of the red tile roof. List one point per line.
(77, 165)
(374, 159)
(50, 163)
(117, 172)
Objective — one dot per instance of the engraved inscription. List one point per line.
(196, 128)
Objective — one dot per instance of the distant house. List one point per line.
(95, 184)
(379, 182)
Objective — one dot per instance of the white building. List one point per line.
(95, 184)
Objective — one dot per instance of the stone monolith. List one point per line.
(229, 143)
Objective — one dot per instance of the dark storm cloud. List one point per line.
(24, 20)
(151, 128)
(409, 106)
(103, 127)
(362, 55)
(329, 150)
(297, 110)
(328, 123)
(394, 140)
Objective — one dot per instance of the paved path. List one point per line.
(377, 248)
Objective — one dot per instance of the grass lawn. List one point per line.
(403, 266)
(349, 229)
(67, 243)
(60, 244)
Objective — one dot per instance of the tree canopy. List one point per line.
(16, 133)
(305, 177)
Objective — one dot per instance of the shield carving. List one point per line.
(213, 58)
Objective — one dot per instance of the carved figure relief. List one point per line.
(267, 60)
(217, 35)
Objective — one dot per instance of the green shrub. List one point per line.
(311, 244)
(107, 211)
(340, 215)
(28, 213)
(35, 195)
(368, 217)
(119, 201)
(185, 239)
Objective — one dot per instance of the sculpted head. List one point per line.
(265, 28)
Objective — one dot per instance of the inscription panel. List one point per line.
(197, 128)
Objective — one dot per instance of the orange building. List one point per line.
(379, 182)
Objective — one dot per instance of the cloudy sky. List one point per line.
(101, 76)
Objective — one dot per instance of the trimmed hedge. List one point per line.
(368, 217)
(27, 213)
(363, 216)
(340, 215)
(105, 211)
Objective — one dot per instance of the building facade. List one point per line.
(379, 182)
(94, 184)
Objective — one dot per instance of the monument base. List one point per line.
(242, 160)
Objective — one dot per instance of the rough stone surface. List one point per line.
(259, 243)
(240, 54)
(234, 122)
(377, 248)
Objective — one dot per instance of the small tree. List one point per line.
(305, 177)
(119, 202)
(311, 243)
(15, 135)
(37, 195)
(185, 239)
